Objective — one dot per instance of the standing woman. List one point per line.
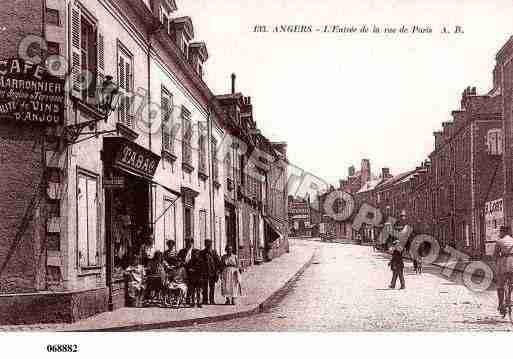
(230, 276)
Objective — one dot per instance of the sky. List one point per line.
(336, 98)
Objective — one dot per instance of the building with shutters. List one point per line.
(121, 186)
(86, 190)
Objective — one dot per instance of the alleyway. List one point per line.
(345, 289)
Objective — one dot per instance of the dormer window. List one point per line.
(182, 32)
(200, 69)
(184, 46)
(197, 56)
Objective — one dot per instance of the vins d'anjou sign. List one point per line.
(28, 93)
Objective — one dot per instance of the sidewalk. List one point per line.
(262, 285)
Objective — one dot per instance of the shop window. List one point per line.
(125, 82)
(87, 55)
(52, 17)
(87, 220)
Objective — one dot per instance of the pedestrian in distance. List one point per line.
(396, 264)
(212, 264)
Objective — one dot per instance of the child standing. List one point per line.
(136, 285)
(396, 264)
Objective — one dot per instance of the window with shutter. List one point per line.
(167, 125)
(87, 58)
(494, 141)
(125, 82)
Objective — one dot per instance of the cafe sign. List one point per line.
(29, 94)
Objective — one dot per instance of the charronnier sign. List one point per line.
(28, 93)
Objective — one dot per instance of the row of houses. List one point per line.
(131, 150)
(462, 193)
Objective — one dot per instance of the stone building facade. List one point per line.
(83, 196)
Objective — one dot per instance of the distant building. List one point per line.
(300, 224)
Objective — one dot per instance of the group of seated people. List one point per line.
(170, 278)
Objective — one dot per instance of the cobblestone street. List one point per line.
(346, 289)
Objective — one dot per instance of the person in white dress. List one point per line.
(230, 277)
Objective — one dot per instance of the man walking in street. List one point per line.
(396, 264)
(212, 268)
(503, 256)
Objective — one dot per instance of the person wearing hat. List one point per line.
(212, 266)
(185, 256)
(170, 254)
(503, 255)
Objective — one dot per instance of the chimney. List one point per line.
(497, 73)
(365, 171)
(385, 173)
(233, 83)
(447, 129)
(342, 183)
(438, 139)
(350, 171)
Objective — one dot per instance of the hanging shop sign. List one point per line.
(494, 219)
(128, 156)
(29, 94)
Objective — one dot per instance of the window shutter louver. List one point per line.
(128, 102)
(76, 53)
(100, 71)
(165, 125)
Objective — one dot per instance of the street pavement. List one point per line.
(262, 285)
(346, 289)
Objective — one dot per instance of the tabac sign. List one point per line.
(130, 157)
(29, 94)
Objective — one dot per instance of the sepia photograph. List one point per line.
(169, 167)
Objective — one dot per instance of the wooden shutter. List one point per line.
(164, 102)
(128, 102)
(100, 64)
(82, 222)
(76, 53)
(92, 221)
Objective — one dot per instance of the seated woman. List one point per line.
(156, 277)
(176, 285)
(136, 286)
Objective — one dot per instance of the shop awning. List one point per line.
(275, 227)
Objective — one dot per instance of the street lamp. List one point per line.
(108, 92)
(105, 96)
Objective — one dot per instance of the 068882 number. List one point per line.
(62, 348)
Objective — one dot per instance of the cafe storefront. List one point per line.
(128, 178)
